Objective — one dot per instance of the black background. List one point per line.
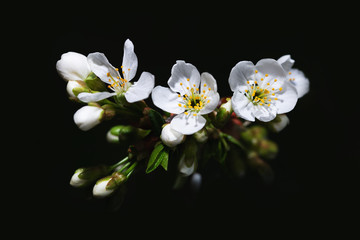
(316, 171)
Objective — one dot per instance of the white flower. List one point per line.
(74, 68)
(295, 76)
(88, 117)
(119, 83)
(190, 96)
(261, 91)
(171, 137)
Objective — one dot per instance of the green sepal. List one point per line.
(116, 180)
(160, 155)
(94, 83)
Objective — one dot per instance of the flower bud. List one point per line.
(107, 185)
(254, 134)
(201, 136)
(188, 160)
(267, 149)
(73, 88)
(83, 176)
(171, 137)
(279, 123)
(224, 114)
(88, 117)
(127, 133)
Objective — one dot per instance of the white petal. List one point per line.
(210, 106)
(272, 68)
(167, 100)
(287, 98)
(130, 61)
(265, 113)
(301, 83)
(188, 124)
(71, 85)
(73, 66)
(94, 97)
(286, 62)
(180, 72)
(209, 80)
(242, 106)
(141, 89)
(239, 74)
(171, 137)
(100, 65)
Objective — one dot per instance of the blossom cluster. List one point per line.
(192, 122)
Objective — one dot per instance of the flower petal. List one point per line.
(270, 68)
(213, 101)
(140, 89)
(239, 74)
(301, 83)
(188, 124)
(73, 66)
(242, 106)
(100, 65)
(286, 62)
(265, 113)
(287, 98)
(88, 117)
(167, 100)
(207, 81)
(130, 61)
(94, 97)
(181, 72)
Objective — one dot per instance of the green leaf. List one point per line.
(160, 155)
(156, 121)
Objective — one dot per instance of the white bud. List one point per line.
(171, 137)
(76, 181)
(88, 117)
(100, 190)
(71, 85)
(227, 105)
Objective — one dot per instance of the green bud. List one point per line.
(127, 133)
(267, 149)
(107, 185)
(94, 83)
(223, 115)
(253, 134)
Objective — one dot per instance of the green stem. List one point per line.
(129, 171)
(233, 140)
(119, 163)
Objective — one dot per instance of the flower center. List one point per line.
(118, 84)
(194, 100)
(260, 93)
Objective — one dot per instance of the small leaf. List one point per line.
(156, 121)
(156, 158)
(165, 160)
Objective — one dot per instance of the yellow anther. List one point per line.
(275, 80)
(289, 73)
(268, 84)
(128, 69)
(275, 98)
(116, 69)
(203, 91)
(260, 104)
(246, 90)
(195, 114)
(255, 82)
(209, 89)
(262, 79)
(188, 79)
(256, 71)
(269, 105)
(194, 85)
(266, 75)
(187, 88)
(208, 101)
(273, 94)
(121, 66)
(181, 84)
(179, 104)
(186, 113)
(280, 89)
(108, 74)
(179, 95)
(247, 82)
(205, 85)
(273, 89)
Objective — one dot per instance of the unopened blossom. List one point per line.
(190, 96)
(119, 79)
(171, 137)
(261, 91)
(88, 117)
(295, 76)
